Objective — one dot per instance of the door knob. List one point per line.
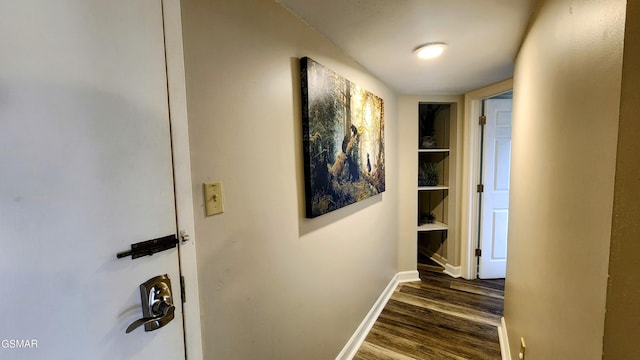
(157, 304)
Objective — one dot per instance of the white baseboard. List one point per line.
(504, 340)
(453, 271)
(352, 346)
(408, 276)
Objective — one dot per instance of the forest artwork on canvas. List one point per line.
(343, 132)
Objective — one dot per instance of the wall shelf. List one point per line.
(437, 225)
(433, 188)
(433, 150)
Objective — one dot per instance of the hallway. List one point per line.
(438, 318)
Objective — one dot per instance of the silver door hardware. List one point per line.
(157, 304)
(184, 236)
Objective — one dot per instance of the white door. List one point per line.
(85, 171)
(495, 201)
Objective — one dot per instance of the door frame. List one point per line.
(469, 207)
(177, 98)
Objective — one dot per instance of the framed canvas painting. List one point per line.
(343, 134)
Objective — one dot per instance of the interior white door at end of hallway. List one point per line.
(494, 213)
(86, 150)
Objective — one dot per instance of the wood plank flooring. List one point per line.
(438, 318)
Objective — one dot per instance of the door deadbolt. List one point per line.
(157, 304)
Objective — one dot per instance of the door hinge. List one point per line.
(483, 120)
(183, 293)
(480, 188)
(478, 252)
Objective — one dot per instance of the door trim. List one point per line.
(470, 173)
(182, 174)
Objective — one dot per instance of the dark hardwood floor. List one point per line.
(438, 318)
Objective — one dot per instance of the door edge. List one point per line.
(176, 86)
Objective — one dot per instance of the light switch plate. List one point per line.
(213, 198)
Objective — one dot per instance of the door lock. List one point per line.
(157, 304)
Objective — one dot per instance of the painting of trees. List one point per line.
(343, 134)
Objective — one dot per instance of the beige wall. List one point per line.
(622, 323)
(408, 178)
(566, 100)
(274, 285)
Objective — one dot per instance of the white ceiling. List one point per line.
(483, 37)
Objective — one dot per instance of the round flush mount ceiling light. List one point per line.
(430, 50)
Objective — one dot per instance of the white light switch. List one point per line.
(213, 198)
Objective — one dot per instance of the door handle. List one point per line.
(166, 312)
(157, 304)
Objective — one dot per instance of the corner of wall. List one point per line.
(621, 332)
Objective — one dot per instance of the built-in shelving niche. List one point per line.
(433, 197)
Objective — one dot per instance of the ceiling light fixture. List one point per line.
(430, 50)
